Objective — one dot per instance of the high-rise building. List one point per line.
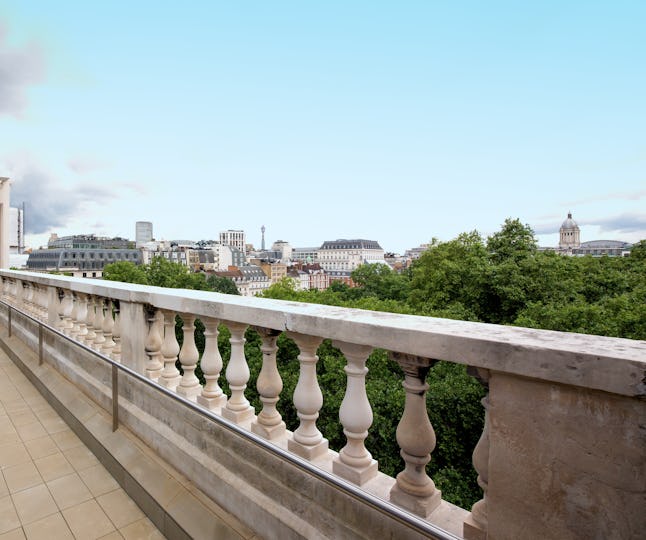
(234, 238)
(143, 233)
(16, 230)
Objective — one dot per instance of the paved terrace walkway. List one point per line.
(51, 486)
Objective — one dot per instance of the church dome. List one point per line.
(569, 223)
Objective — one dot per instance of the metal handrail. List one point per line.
(397, 513)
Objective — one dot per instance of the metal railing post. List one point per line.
(40, 344)
(9, 321)
(115, 398)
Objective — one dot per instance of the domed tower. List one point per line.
(570, 234)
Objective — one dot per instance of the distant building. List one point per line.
(338, 257)
(88, 241)
(570, 243)
(234, 238)
(306, 255)
(284, 249)
(274, 271)
(80, 262)
(143, 233)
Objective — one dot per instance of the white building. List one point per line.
(234, 238)
(346, 255)
(143, 233)
(569, 234)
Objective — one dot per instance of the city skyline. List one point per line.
(397, 124)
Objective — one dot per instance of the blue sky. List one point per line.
(394, 121)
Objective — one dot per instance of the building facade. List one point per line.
(143, 233)
(343, 256)
(79, 262)
(234, 238)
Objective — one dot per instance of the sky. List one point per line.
(392, 121)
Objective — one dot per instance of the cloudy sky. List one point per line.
(394, 121)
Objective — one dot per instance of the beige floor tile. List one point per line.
(8, 517)
(29, 432)
(23, 417)
(141, 530)
(21, 477)
(16, 534)
(13, 404)
(88, 521)
(54, 466)
(120, 508)
(41, 447)
(54, 425)
(13, 454)
(69, 491)
(98, 480)
(4, 490)
(34, 503)
(66, 439)
(49, 528)
(80, 457)
(115, 535)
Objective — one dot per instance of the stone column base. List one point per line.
(306, 451)
(189, 393)
(171, 384)
(239, 417)
(215, 404)
(354, 475)
(269, 432)
(421, 506)
(472, 530)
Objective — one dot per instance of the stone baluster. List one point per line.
(307, 441)
(170, 376)
(99, 316)
(269, 423)
(68, 303)
(414, 490)
(116, 332)
(189, 386)
(237, 408)
(153, 344)
(82, 317)
(354, 462)
(90, 336)
(28, 298)
(4, 294)
(476, 524)
(212, 396)
(43, 302)
(37, 301)
(74, 317)
(60, 309)
(20, 294)
(107, 327)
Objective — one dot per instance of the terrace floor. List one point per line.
(51, 485)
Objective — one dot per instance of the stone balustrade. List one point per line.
(562, 453)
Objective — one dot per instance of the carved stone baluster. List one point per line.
(170, 376)
(354, 462)
(44, 300)
(74, 317)
(107, 327)
(90, 321)
(81, 315)
(212, 396)
(189, 386)
(37, 301)
(237, 409)
(28, 297)
(116, 332)
(307, 441)
(269, 423)
(68, 324)
(153, 345)
(62, 305)
(99, 316)
(476, 524)
(414, 490)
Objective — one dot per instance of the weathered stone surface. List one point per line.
(565, 462)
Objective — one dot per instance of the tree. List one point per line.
(125, 271)
(513, 242)
(222, 284)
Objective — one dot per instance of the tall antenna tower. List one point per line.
(262, 245)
